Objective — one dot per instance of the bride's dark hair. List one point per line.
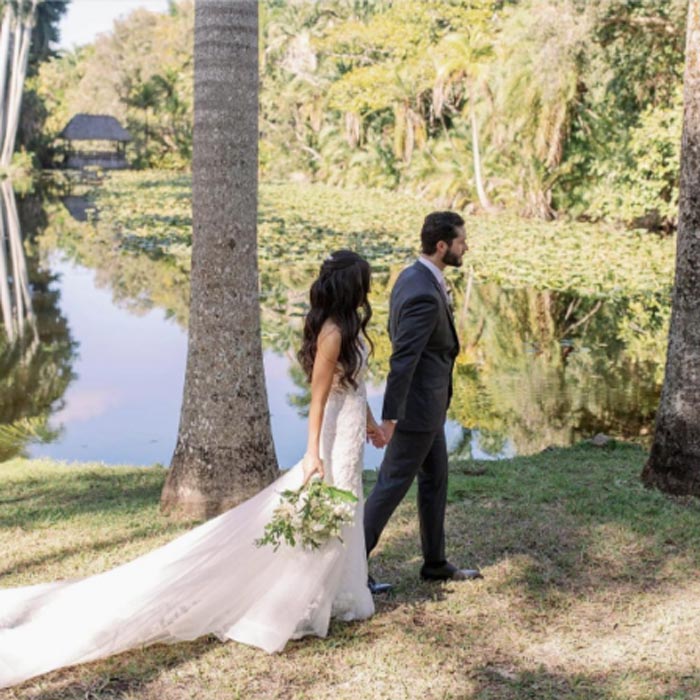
(339, 293)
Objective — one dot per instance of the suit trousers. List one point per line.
(411, 454)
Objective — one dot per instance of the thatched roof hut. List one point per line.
(95, 127)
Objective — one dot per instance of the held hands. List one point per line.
(375, 435)
(380, 435)
(388, 427)
(312, 464)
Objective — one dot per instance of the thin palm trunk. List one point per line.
(224, 451)
(9, 95)
(4, 55)
(20, 58)
(674, 461)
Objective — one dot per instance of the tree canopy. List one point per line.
(574, 107)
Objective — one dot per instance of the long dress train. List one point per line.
(211, 580)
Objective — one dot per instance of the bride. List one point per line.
(213, 579)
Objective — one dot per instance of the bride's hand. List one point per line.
(312, 465)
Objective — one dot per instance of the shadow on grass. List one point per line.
(577, 520)
(58, 555)
(122, 676)
(32, 501)
(504, 683)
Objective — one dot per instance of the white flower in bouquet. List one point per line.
(310, 516)
(286, 509)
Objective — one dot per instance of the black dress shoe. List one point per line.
(448, 572)
(375, 588)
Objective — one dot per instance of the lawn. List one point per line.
(591, 589)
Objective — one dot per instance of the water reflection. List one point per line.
(540, 368)
(537, 367)
(17, 313)
(36, 349)
(124, 403)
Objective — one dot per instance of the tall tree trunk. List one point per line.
(20, 58)
(12, 68)
(480, 191)
(224, 451)
(7, 16)
(674, 462)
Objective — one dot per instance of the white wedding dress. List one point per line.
(211, 580)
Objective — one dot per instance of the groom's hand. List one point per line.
(388, 427)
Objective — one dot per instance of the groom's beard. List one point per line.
(452, 259)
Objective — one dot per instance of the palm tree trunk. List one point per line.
(4, 56)
(224, 451)
(8, 96)
(20, 58)
(674, 461)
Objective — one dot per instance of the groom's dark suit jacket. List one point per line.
(424, 347)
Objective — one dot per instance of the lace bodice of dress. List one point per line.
(343, 431)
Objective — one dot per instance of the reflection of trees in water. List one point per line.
(35, 347)
(546, 368)
(141, 274)
(537, 367)
(15, 299)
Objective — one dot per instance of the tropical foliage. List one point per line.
(541, 107)
(141, 73)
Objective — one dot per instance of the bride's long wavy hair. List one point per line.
(339, 293)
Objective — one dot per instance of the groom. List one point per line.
(418, 391)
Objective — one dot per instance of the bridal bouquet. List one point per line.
(310, 515)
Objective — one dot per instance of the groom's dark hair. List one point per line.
(439, 226)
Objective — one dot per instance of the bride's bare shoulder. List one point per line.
(329, 341)
(330, 331)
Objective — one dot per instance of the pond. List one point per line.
(94, 342)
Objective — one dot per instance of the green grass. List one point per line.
(591, 589)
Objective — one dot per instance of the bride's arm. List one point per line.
(327, 353)
(375, 434)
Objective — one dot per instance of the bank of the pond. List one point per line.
(151, 212)
(590, 591)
